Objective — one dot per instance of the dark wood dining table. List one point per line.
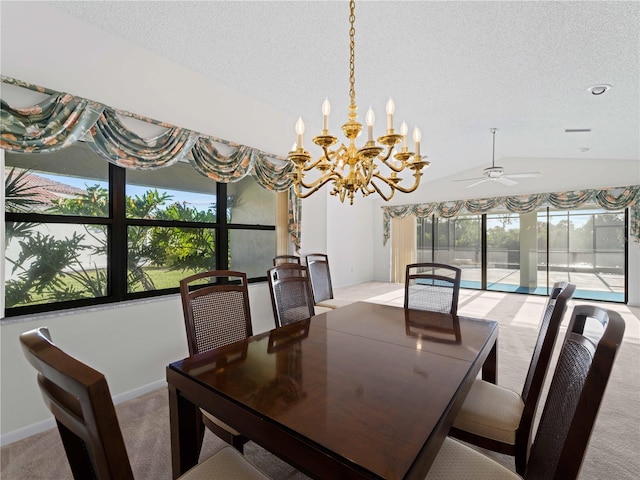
(366, 391)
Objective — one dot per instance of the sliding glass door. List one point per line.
(528, 253)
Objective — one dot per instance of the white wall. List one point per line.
(350, 234)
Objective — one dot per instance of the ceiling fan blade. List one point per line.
(523, 175)
(505, 181)
(478, 183)
(469, 179)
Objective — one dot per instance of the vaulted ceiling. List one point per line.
(455, 69)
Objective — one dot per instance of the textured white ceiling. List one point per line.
(456, 69)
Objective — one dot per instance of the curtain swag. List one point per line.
(63, 119)
(615, 198)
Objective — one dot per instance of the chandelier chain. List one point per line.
(352, 56)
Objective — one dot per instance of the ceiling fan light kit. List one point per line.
(496, 173)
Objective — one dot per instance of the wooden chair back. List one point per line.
(280, 259)
(291, 295)
(217, 311)
(552, 316)
(432, 286)
(79, 398)
(320, 276)
(591, 344)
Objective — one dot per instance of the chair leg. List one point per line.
(200, 433)
(521, 459)
(238, 441)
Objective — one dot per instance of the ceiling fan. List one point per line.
(497, 173)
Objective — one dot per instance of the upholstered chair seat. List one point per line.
(457, 461)
(333, 303)
(491, 411)
(225, 463)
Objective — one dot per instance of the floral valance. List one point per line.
(615, 198)
(63, 119)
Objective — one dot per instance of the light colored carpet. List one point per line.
(612, 453)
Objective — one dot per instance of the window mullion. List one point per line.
(222, 232)
(118, 245)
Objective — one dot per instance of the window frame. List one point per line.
(117, 225)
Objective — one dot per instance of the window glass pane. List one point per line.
(49, 263)
(558, 247)
(467, 249)
(159, 257)
(72, 181)
(424, 238)
(252, 251)
(586, 247)
(443, 234)
(250, 204)
(503, 252)
(177, 192)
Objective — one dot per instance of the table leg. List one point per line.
(490, 367)
(186, 432)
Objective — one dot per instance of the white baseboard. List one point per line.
(50, 423)
(136, 392)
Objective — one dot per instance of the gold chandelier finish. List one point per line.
(350, 168)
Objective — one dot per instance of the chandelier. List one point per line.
(350, 168)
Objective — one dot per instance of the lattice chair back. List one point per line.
(432, 286)
(291, 296)
(579, 381)
(282, 259)
(320, 276)
(216, 312)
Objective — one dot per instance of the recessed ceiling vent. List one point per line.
(599, 89)
(577, 130)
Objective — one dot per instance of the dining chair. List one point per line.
(280, 259)
(571, 407)
(291, 295)
(499, 419)
(320, 276)
(215, 305)
(432, 286)
(79, 398)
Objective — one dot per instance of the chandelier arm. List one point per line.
(314, 186)
(393, 167)
(313, 165)
(395, 186)
(377, 189)
(369, 173)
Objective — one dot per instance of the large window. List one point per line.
(527, 253)
(80, 231)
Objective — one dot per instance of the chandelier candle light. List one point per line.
(350, 168)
